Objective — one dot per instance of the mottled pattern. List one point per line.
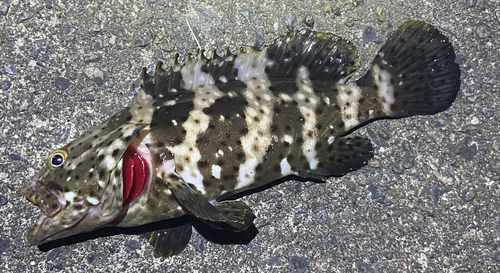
(213, 128)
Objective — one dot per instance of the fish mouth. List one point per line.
(54, 222)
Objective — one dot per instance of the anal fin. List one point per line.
(170, 241)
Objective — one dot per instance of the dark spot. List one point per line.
(129, 118)
(207, 183)
(288, 128)
(211, 126)
(290, 158)
(341, 124)
(240, 156)
(115, 152)
(319, 126)
(221, 162)
(238, 142)
(258, 98)
(235, 168)
(117, 173)
(361, 101)
(197, 121)
(256, 119)
(100, 158)
(223, 143)
(102, 173)
(349, 92)
(309, 133)
(202, 164)
(300, 140)
(273, 128)
(307, 100)
(69, 173)
(244, 131)
(258, 168)
(77, 177)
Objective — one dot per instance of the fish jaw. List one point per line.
(70, 218)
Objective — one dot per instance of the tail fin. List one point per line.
(414, 72)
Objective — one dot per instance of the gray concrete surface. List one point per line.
(428, 203)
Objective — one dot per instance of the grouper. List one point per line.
(208, 129)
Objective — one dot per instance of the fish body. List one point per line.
(210, 129)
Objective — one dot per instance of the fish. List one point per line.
(207, 130)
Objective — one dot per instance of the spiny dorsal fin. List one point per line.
(324, 55)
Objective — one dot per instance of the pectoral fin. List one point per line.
(170, 241)
(232, 215)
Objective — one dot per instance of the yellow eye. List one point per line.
(56, 159)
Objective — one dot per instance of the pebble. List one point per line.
(4, 9)
(291, 22)
(375, 191)
(309, 20)
(323, 215)
(199, 244)
(469, 109)
(94, 74)
(396, 169)
(10, 69)
(299, 264)
(496, 256)
(436, 193)
(15, 156)
(89, 97)
(369, 34)
(381, 14)
(295, 188)
(363, 266)
(3, 200)
(497, 13)
(274, 261)
(488, 112)
(488, 80)
(91, 258)
(62, 83)
(6, 85)
(259, 38)
(49, 5)
(468, 195)
(246, 14)
(482, 31)
(132, 245)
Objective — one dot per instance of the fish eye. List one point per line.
(56, 159)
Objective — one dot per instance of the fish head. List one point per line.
(80, 187)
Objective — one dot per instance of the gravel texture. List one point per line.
(429, 202)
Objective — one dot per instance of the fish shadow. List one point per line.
(218, 236)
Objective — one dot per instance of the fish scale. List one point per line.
(212, 129)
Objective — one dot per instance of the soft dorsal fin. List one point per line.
(324, 55)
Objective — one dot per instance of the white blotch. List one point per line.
(309, 131)
(216, 169)
(92, 200)
(258, 137)
(288, 138)
(348, 98)
(223, 79)
(286, 169)
(382, 79)
(68, 179)
(331, 139)
(69, 195)
(221, 152)
(174, 122)
(187, 153)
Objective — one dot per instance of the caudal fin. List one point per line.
(415, 72)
